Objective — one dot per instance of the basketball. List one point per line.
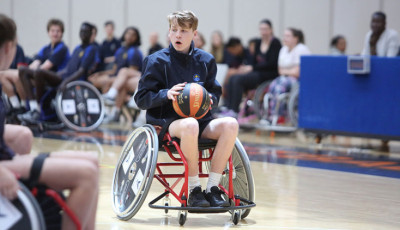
(193, 101)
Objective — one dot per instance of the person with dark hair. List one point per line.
(127, 68)
(81, 64)
(338, 45)
(264, 67)
(109, 46)
(53, 56)
(199, 40)
(154, 45)
(380, 41)
(289, 68)
(78, 170)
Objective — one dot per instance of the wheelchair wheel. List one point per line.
(80, 106)
(243, 182)
(32, 217)
(259, 108)
(293, 105)
(134, 172)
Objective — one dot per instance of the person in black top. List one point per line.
(264, 68)
(109, 46)
(154, 45)
(73, 171)
(81, 64)
(165, 74)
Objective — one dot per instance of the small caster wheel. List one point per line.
(166, 210)
(167, 201)
(236, 215)
(182, 217)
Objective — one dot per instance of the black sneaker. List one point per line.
(197, 199)
(215, 198)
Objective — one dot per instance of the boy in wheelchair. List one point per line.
(77, 172)
(81, 64)
(165, 73)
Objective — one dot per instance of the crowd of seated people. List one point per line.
(114, 66)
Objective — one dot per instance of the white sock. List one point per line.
(23, 103)
(193, 182)
(115, 110)
(213, 180)
(33, 105)
(14, 102)
(112, 93)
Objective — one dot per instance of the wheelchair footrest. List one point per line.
(246, 205)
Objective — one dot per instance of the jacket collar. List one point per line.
(182, 56)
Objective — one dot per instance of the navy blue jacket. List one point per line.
(127, 57)
(84, 57)
(108, 48)
(166, 68)
(19, 58)
(58, 55)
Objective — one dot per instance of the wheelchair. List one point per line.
(40, 208)
(137, 167)
(270, 120)
(79, 107)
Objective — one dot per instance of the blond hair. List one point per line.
(185, 19)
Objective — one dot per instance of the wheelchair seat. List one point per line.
(137, 166)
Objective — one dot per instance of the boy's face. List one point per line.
(55, 33)
(180, 37)
(85, 34)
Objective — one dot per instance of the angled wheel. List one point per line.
(293, 105)
(80, 106)
(259, 107)
(32, 216)
(134, 172)
(243, 182)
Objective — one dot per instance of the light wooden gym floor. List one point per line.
(343, 183)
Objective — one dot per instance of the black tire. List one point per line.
(182, 217)
(134, 172)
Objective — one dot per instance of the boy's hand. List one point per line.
(8, 184)
(174, 91)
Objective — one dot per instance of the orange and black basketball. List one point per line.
(193, 101)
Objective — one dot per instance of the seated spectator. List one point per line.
(235, 57)
(9, 79)
(109, 46)
(199, 41)
(380, 41)
(338, 45)
(81, 64)
(154, 45)
(129, 59)
(289, 66)
(78, 170)
(53, 57)
(264, 68)
(217, 46)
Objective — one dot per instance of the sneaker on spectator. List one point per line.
(108, 100)
(228, 113)
(111, 118)
(132, 104)
(31, 117)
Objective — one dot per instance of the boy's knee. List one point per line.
(190, 127)
(231, 125)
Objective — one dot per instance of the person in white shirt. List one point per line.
(380, 41)
(288, 66)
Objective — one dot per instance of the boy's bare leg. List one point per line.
(225, 130)
(123, 75)
(187, 129)
(19, 138)
(9, 78)
(79, 176)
